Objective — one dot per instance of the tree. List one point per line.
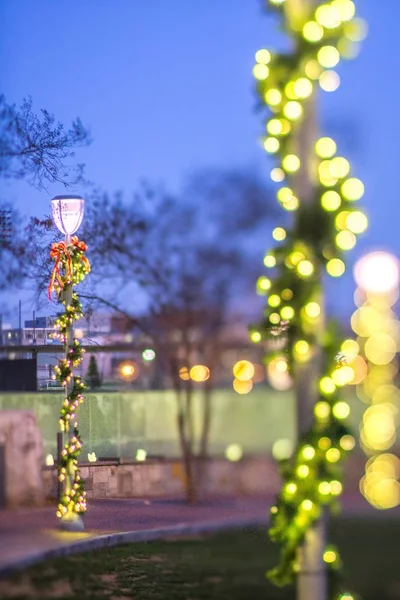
(188, 258)
(192, 273)
(93, 377)
(37, 148)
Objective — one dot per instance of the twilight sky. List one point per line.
(166, 87)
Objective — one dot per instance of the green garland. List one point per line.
(325, 227)
(71, 267)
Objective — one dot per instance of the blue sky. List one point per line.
(166, 87)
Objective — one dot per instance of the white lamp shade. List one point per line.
(377, 272)
(67, 213)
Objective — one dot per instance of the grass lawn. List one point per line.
(225, 566)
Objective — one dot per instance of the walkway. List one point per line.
(30, 535)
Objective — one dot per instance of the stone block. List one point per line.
(137, 473)
(88, 483)
(23, 444)
(101, 491)
(84, 472)
(100, 474)
(125, 484)
(50, 482)
(113, 484)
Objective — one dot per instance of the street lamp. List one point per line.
(67, 214)
(71, 266)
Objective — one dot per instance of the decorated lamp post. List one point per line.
(317, 189)
(70, 267)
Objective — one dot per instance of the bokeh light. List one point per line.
(282, 449)
(141, 455)
(234, 452)
(148, 354)
(199, 373)
(243, 370)
(242, 387)
(325, 147)
(129, 371)
(329, 81)
(278, 374)
(184, 373)
(377, 272)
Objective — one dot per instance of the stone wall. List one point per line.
(23, 450)
(163, 478)
(160, 478)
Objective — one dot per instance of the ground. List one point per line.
(228, 565)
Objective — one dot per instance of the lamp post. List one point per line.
(70, 267)
(316, 183)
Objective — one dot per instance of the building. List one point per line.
(178, 339)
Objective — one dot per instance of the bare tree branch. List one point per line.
(37, 148)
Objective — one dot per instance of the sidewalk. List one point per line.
(31, 535)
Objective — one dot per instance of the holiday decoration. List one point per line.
(70, 268)
(316, 185)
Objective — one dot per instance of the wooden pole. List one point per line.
(312, 577)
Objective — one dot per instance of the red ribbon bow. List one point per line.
(82, 247)
(58, 252)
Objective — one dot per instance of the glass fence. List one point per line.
(118, 424)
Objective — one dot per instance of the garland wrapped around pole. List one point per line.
(70, 268)
(315, 184)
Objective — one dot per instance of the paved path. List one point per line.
(30, 535)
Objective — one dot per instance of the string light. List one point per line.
(317, 243)
(71, 267)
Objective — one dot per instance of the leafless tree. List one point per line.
(39, 150)
(192, 257)
(36, 148)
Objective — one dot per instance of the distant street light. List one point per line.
(129, 371)
(148, 355)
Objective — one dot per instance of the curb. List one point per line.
(126, 537)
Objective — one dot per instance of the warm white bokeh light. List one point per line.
(377, 272)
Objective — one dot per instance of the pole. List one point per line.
(312, 577)
(20, 322)
(59, 450)
(3, 494)
(69, 522)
